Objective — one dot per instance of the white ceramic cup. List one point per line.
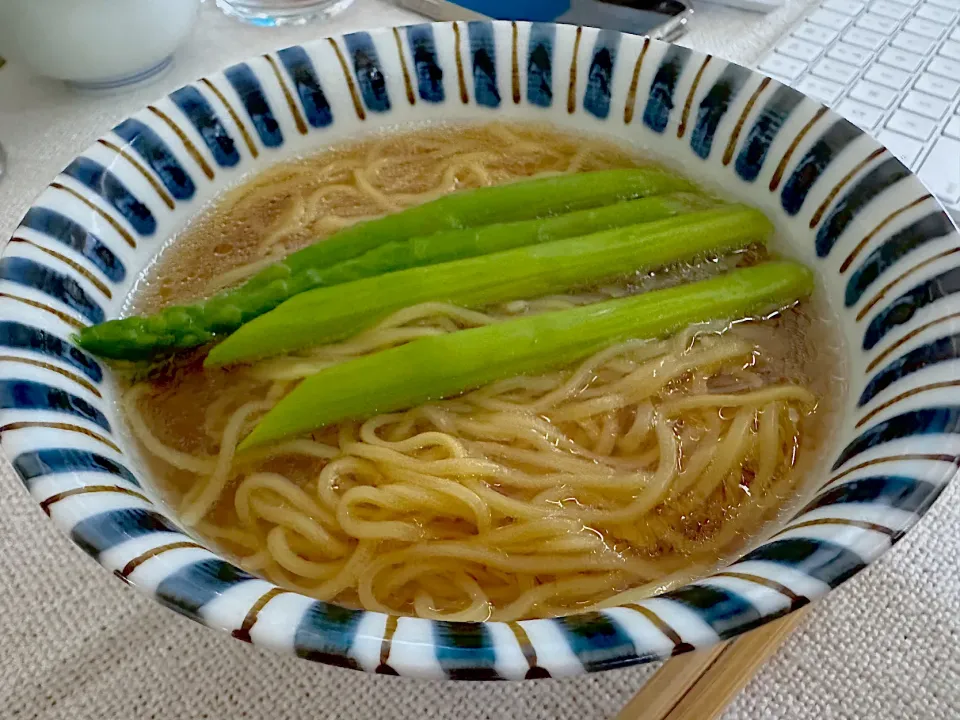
(95, 44)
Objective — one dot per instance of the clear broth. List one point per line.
(296, 203)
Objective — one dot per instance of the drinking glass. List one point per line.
(282, 12)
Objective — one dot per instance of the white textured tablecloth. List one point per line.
(77, 644)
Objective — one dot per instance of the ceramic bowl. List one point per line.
(884, 252)
(96, 45)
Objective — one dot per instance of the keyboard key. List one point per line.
(815, 34)
(892, 10)
(953, 127)
(928, 11)
(782, 66)
(941, 87)
(864, 38)
(822, 90)
(849, 54)
(800, 49)
(911, 124)
(901, 59)
(912, 43)
(888, 76)
(833, 70)
(873, 94)
(952, 4)
(950, 49)
(847, 7)
(877, 23)
(955, 35)
(941, 170)
(827, 18)
(944, 66)
(925, 105)
(904, 148)
(923, 27)
(861, 115)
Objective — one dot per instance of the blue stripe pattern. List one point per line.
(596, 98)
(108, 186)
(765, 129)
(26, 337)
(31, 395)
(307, 86)
(248, 87)
(465, 652)
(191, 587)
(599, 642)
(56, 461)
(483, 53)
(942, 420)
(370, 77)
(888, 173)
(903, 493)
(902, 309)
(814, 162)
(155, 152)
(60, 287)
(825, 561)
(660, 102)
(429, 74)
(933, 226)
(726, 612)
(70, 233)
(540, 64)
(325, 634)
(940, 350)
(99, 533)
(208, 124)
(714, 106)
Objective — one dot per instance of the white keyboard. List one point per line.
(893, 68)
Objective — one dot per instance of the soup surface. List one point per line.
(626, 474)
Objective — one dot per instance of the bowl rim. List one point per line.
(668, 624)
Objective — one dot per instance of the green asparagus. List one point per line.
(437, 367)
(185, 326)
(459, 244)
(328, 314)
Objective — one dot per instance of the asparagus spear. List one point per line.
(470, 242)
(185, 326)
(328, 314)
(437, 367)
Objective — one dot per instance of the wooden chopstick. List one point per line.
(700, 685)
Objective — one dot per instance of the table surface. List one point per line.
(77, 644)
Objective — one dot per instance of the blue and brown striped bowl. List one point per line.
(886, 254)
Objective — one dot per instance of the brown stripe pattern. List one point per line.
(679, 646)
(534, 671)
(291, 103)
(250, 619)
(386, 643)
(738, 128)
(682, 128)
(88, 489)
(187, 143)
(147, 175)
(106, 216)
(630, 105)
(247, 138)
(572, 86)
